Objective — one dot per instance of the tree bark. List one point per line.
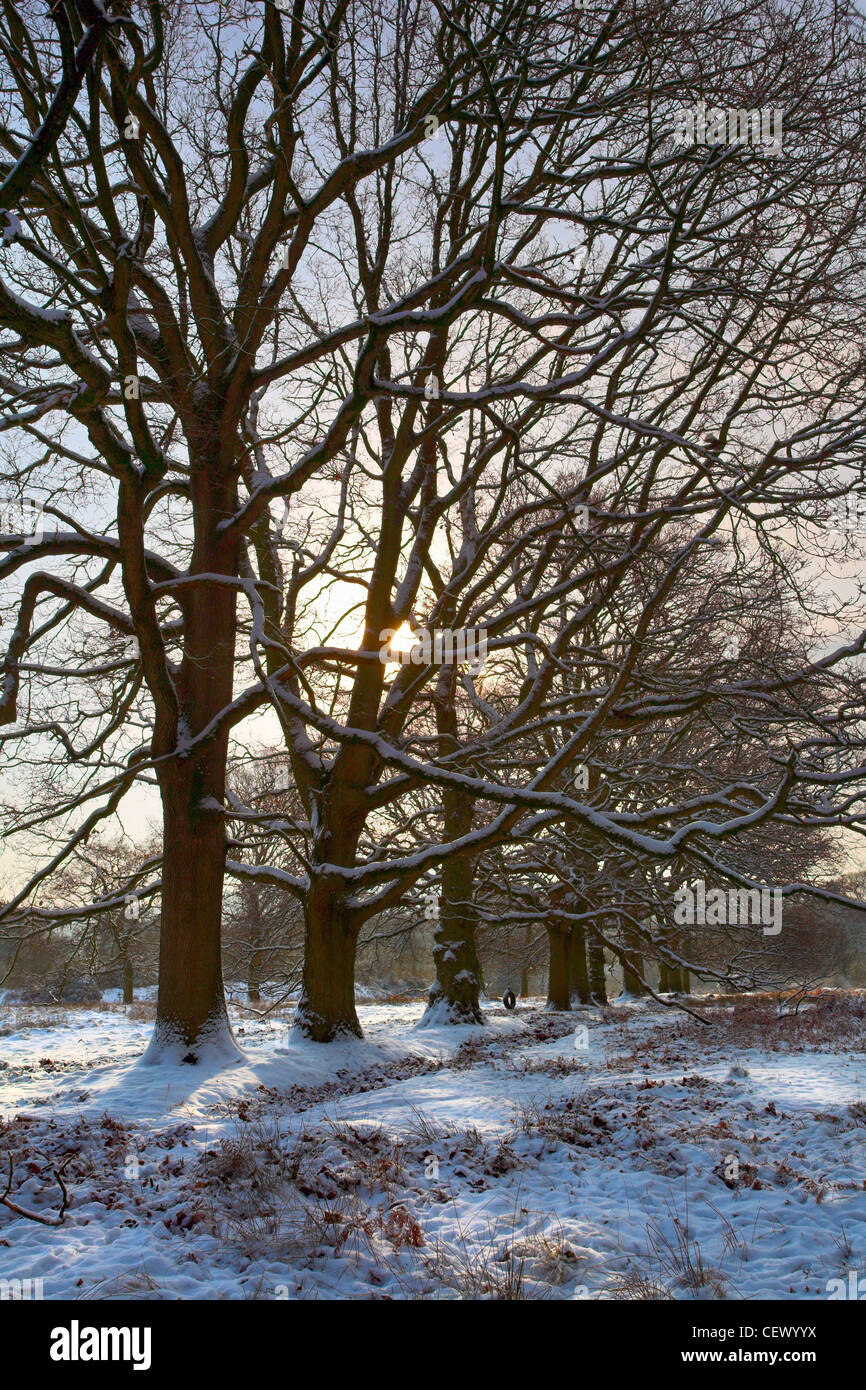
(128, 992)
(191, 1010)
(631, 981)
(597, 983)
(254, 974)
(454, 996)
(191, 1014)
(678, 975)
(679, 981)
(326, 1009)
(524, 969)
(558, 991)
(577, 968)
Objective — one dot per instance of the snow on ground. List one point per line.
(629, 1153)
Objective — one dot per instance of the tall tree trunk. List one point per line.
(254, 972)
(454, 996)
(191, 1015)
(128, 992)
(679, 976)
(631, 978)
(191, 1009)
(524, 969)
(597, 983)
(578, 974)
(664, 978)
(558, 991)
(326, 1009)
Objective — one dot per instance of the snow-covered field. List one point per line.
(630, 1154)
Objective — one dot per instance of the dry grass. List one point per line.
(639, 1287)
(682, 1262)
(135, 1286)
(141, 1011)
(19, 1018)
(424, 1130)
(254, 1153)
(517, 1259)
(571, 1121)
(835, 1019)
(489, 1269)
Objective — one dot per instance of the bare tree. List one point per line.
(313, 310)
(81, 28)
(164, 287)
